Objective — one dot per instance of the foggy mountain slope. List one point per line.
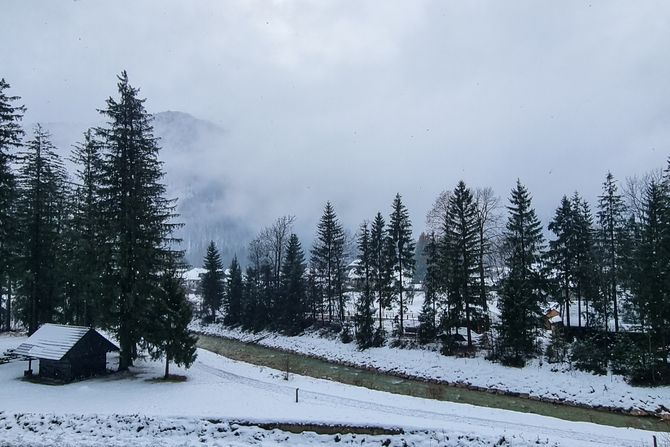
(191, 149)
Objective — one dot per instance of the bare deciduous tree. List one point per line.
(634, 189)
(274, 239)
(436, 217)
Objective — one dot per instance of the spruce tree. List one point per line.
(11, 134)
(402, 250)
(314, 297)
(523, 285)
(443, 280)
(233, 295)
(563, 251)
(266, 311)
(293, 300)
(258, 287)
(651, 279)
(381, 270)
(431, 283)
(586, 287)
(85, 236)
(611, 210)
(250, 297)
(328, 261)
(42, 210)
(137, 215)
(364, 308)
(211, 283)
(167, 332)
(462, 233)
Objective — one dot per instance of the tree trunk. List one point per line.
(579, 306)
(567, 300)
(167, 366)
(126, 354)
(482, 278)
(467, 318)
(8, 307)
(381, 316)
(402, 311)
(613, 273)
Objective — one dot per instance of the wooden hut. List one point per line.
(67, 352)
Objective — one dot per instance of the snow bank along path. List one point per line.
(537, 380)
(222, 389)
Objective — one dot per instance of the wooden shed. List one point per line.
(67, 352)
(552, 320)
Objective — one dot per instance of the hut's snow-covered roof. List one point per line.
(51, 341)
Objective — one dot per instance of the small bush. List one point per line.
(345, 334)
(590, 354)
(515, 361)
(557, 350)
(379, 338)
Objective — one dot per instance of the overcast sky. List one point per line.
(353, 101)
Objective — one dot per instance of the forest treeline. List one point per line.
(605, 269)
(94, 247)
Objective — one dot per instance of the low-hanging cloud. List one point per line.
(353, 101)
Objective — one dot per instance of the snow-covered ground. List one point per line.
(538, 378)
(133, 409)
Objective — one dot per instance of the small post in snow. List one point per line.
(296, 397)
(655, 444)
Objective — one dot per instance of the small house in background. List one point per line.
(192, 278)
(67, 352)
(552, 320)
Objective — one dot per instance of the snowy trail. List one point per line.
(442, 418)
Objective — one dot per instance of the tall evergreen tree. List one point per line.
(233, 294)
(381, 270)
(167, 333)
(41, 215)
(463, 251)
(250, 297)
(563, 251)
(211, 284)
(431, 283)
(138, 217)
(586, 287)
(259, 286)
(314, 297)
(328, 261)
(402, 243)
(293, 302)
(11, 134)
(652, 275)
(364, 308)
(523, 284)
(85, 236)
(611, 210)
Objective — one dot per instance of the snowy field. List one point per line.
(538, 378)
(134, 409)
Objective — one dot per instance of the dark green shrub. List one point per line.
(590, 354)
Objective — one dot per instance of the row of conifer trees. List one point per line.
(607, 268)
(94, 248)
